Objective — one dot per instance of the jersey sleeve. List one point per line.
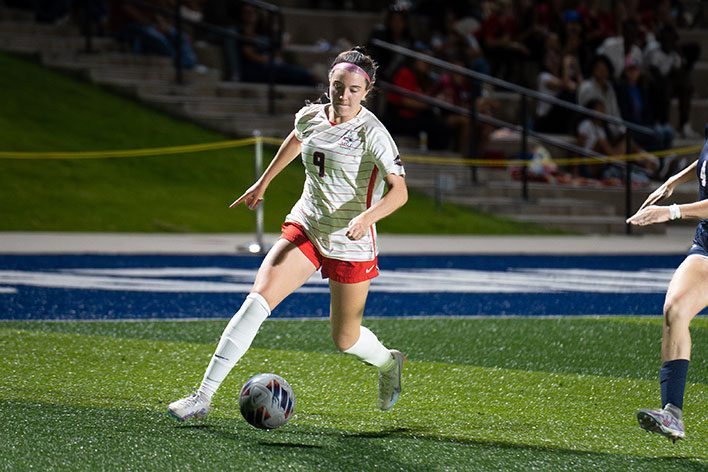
(302, 120)
(385, 153)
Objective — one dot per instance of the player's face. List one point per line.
(347, 90)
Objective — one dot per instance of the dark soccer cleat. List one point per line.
(666, 422)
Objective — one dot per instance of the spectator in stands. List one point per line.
(634, 100)
(574, 42)
(599, 85)
(407, 116)
(255, 59)
(456, 89)
(225, 14)
(618, 48)
(454, 37)
(670, 73)
(396, 30)
(592, 136)
(149, 31)
(507, 57)
(597, 24)
(560, 80)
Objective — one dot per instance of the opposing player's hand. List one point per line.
(664, 191)
(650, 215)
(251, 197)
(357, 228)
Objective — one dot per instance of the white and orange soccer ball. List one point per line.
(267, 401)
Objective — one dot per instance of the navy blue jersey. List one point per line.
(700, 240)
(702, 173)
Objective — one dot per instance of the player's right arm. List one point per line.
(288, 151)
(667, 188)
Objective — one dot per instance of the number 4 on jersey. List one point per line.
(318, 159)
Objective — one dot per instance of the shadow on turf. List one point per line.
(65, 426)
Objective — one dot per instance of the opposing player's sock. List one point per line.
(235, 341)
(672, 377)
(369, 349)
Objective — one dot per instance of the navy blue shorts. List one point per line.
(700, 240)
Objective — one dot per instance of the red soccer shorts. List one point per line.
(346, 272)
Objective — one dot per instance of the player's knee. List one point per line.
(344, 339)
(674, 310)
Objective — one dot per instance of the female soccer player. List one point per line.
(686, 297)
(348, 157)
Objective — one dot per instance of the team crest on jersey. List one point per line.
(347, 140)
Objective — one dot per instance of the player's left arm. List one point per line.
(659, 214)
(395, 198)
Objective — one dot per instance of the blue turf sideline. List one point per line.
(93, 287)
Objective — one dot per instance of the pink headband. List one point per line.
(348, 66)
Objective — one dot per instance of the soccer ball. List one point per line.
(267, 401)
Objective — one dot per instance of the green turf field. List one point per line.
(46, 111)
(479, 394)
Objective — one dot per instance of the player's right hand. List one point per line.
(251, 197)
(664, 191)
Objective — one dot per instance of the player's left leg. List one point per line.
(346, 312)
(686, 297)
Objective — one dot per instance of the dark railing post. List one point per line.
(628, 183)
(472, 147)
(178, 42)
(88, 28)
(524, 148)
(274, 40)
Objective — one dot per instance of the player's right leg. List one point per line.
(686, 297)
(346, 312)
(283, 271)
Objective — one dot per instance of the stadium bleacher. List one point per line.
(237, 108)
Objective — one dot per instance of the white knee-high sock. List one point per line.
(235, 341)
(369, 349)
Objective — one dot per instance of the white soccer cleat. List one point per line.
(195, 406)
(390, 382)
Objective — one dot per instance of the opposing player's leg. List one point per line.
(346, 312)
(283, 271)
(686, 297)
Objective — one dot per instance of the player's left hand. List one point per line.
(650, 215)
(357, 228)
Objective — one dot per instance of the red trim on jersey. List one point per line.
(369, 197)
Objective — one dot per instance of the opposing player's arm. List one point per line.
(395, 198)
(288, 151)
(659, 214)
(667, 188)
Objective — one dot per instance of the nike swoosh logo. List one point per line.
(370, 268)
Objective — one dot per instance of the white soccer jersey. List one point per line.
(344, 169)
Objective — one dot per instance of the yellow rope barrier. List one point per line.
(437, 160)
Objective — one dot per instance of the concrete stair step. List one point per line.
(216, 105)
(307, 26)
(558, 207)
(15, 14)
(243, 124)
(136, 75)
(586, 224)
(40, 42)
(604, 195)
(120, 59)
(30, 27)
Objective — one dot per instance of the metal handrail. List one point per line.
(490, 120)
(523, 128)
(511, 86)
